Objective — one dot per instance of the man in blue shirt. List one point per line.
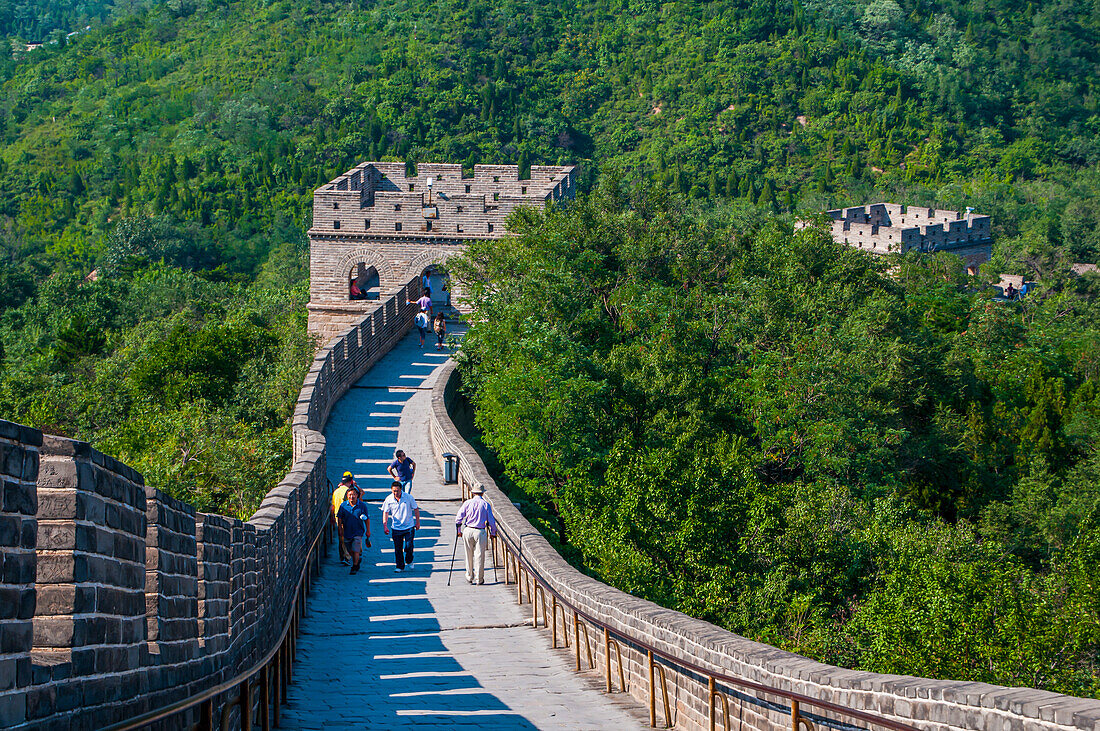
(355, 525)
(402, 469)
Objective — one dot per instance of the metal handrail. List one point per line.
(796, 699)
(245, 678)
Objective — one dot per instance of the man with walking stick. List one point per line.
(474, 519)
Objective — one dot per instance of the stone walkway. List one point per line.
(387, 650)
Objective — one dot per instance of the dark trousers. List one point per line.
(403, 546)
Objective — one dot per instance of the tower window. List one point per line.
(336, 224)
(467, 189)
(335, 206)
(366, 223)
(412, 186)
(397, 227)
(490, 228)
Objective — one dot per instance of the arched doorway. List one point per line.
(363, 283)
(436, 278)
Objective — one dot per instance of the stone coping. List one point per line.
(919, 702)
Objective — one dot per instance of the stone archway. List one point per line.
(452, 293)
(366, 281)
(425, 259)
(369, 258)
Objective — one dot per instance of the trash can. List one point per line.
(450, 468)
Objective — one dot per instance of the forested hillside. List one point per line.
(883, 470)
(173, 152)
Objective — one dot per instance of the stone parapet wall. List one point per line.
(922, 703)
(117, 599)
(375, 216)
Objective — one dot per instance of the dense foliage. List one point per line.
(174, 151)
(765, 429)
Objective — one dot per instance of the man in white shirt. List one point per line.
(401, 514)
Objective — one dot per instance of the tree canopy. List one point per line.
(865, 460)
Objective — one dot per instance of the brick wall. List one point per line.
(935, 705)
(116, 598)
(19, 455)
(377, 216)
(882, 228)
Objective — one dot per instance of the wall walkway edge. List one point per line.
(117, 599)
(923, 703)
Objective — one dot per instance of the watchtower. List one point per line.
(377, 227)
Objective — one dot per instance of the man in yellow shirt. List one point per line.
(338, 497)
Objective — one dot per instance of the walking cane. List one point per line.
(453, 552)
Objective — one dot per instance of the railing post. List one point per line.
(607, 656)
(710, 699)
(577, 638)
(279, 693)
(265, 699)
(207, 722)
(246, 705)
(653, 695)
(553, 622)
(794, 715)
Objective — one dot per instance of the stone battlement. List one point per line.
(380, 227)
(888, 228)
(379, 198)
(116, 599)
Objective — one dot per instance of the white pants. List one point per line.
(474, 540)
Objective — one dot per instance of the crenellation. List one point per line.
(885, 228)
(376, 220)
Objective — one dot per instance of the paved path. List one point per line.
(384, 650)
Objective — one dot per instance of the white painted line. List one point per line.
(403, 635)
(373, 461)
(379, 444)
(384, 415)
(426, 712)
(429, 674)
(448, 691)
(392, 617)
(379, 428)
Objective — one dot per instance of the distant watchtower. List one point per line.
(377, 228)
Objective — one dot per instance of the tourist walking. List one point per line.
(425, 301)
(401, 520)
(422, 321)
(354, 527)
(440, 330)
(474, 519)
(402, 469)
(347, 482)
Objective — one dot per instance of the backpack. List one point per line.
(421, 319)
